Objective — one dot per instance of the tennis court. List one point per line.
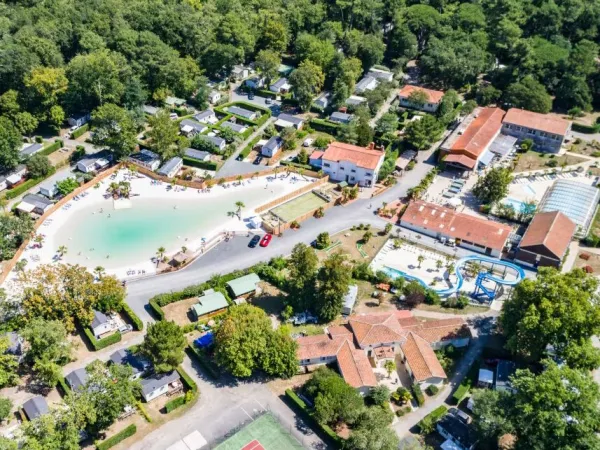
(299, 206)
(265, 433)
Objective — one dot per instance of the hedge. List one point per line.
(28, 184)
(244, 153)
(207, 165)
(143, 412)
(99, 344)
(432, 389)
(79, 131)
(117, 438)
(433, 416)
(187, 380)
(418, 394)
(51, 148)
(324, 125)
(266, 93)
(174, 404)
(156, 309)
(211, 368)
(588, 129)
(335, 440)
(298, 165)
(63, 386)
(461, 392)
(137, 323)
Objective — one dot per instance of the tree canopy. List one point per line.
(493, 186)
(163, 345)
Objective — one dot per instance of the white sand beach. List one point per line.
(91, 227)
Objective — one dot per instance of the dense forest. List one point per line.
(59, 57)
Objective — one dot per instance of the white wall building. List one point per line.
(353, 164)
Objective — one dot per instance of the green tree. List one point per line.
(38, 166)
(555, 309)
(66, 186)
(370, 50)
(13, 230)
(418, 98)
(315, 50)
(323, 240)
(279, 357)
(388, 123)
(490, 413)
(340, 93)
(487, 95)
(202, 92)
(268, 61)
(307, 80)
(56, 117)
(9, 103)
(164, 136)
(163, 345)
(573, 92)
(26, 123)
(380, 395)
(421, 134)
(114, 128)
(8, 365)
(493, 187)
(333, 282)
(389, 367)
(10, 144)
(421, 20)
(528, 94)
(5, 407)
(303, 265)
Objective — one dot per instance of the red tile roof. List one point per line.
(320, 346)
(461, 159)
(421, 358)
(339, 330)
(456, 225)
(355, 366)
(433, 96)
(552, 230)
(537, 121)
(484, 126)
(375, 329)
(317, 154)
(360, 156)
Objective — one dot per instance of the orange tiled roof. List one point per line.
(443, 330)
(477, 136)
(373, 329)
(456, 225)
(432, 95)
(319, 346)
(355, 367)
(464, 160)
(537, 121)
(360, 156)
(552, 230)
(339, 330)
(421, 358)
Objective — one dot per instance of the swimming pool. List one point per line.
(517, 205)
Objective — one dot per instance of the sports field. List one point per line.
(265, 433)
(295, 208)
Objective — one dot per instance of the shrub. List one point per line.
(137, 323)
(588, 129)
(63, 386)
(80, 131)
(156, 309)
(24, 187)
(5, 407)
(187, 380)
(418, 394)
(51, 148)
(432, 389)
(244, 153)
(117, 438)
(99, 344)
(206, 165)
(174, 404)
(325, 126)
(460, 393)
(39, 139)
(294, 164)
(307, 413)
(427, 424)
(143, 411)
(211, 368)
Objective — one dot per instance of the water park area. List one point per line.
(482, 277)
(532, 188)
(123, 235)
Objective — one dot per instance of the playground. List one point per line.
(264, 433)
(482, 277)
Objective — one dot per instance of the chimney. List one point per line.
(371, 146)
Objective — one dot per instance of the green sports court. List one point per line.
(290, 211)
(265, 433)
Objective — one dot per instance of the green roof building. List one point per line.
(244, 285)
(209, 303)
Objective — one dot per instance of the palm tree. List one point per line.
(38, 239)
(367, 236)
(125, 188)
(62, 250)
(99, 271)
(301, 173)
(239, 179)
(239, 206)
(439, 264)
(450, 268)
(389, 367)
(420, 259)
(113, 188)
(184, 249)
(160, 253)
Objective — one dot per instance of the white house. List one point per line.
(350, 300)
(214, 97)
(355, 100)
(256, 82)
(281, 86)
(243, 112)
(150, 110)
(353, 164)
(218, 142)
(272, 147)
(366, 84)
(381, 75)
(171, 167)
(30, 150)
(159, 384)
(340, 117)
(207, 116)
(79, 120)
(95, 162)
(430, 105)
(3, 183)
(191, 128)
(146, 158)
(238, 128)
(240, 72)
(125, 357)
(101, 324)
(287, 120)
(33, 203)
(322, 101)
(200, 155)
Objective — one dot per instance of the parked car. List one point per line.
(125, 328)
(268, 100)
(173, 116)
(254, 241)
(258, 160)
(266, 240)
(239, 158)
(303, 318)
(308, 142)
(251, 96)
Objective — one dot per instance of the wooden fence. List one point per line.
(309, 187)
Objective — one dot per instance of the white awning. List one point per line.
(102, 162)
(27, 207)
(186, 128)
(283, 123)
(454, 201)
(14, 178)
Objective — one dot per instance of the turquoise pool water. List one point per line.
(132, 236)
(516, 204)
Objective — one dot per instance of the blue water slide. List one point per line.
(482, 277)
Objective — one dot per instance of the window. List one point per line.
(353, 171)
(368, 174)
(341, 168)
(326, 165)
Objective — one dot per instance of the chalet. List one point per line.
(287, 120)
(35, 407)
(171, 167)
(207, 116)
(200, 155)
(101, 324)
(191, 128)
(272, 147)
(159, 384)
(33, 203)
(244, 286)
(209, 304)
(281, 86)
(430, 105)
(145, 158)
(77, 379)
(340, 117)
(242, 112)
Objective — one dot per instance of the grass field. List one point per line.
(295, 208)
(267, 431)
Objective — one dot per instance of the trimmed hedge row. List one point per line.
(431, 419)
(79, 131)
(324, 125)
(99, 344)
(137, 323)
(298, 165)
(28, 184)
(172, 405)
(63, 386)
(117, 438)
(211, 369)
(143, 411)
(207, 165)
(156, 309)
(334, 439)
(51, 148)
(588, 129)
(187, 380)
(460, 393)
(418, 394)
(249, 147)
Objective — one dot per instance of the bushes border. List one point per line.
(143, 411)
(434, 416)
(137, 323)
(206, 165)
(172, 405)
(28, 184)
(51, 148)
(100, 344)
(63, 386)
(156, 309)
(418, 394)
(587, 129)
(207, 365)
(80, 131)
(324, 126)
(334, 439)
(117, 438)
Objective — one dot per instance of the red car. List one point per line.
(266, 239)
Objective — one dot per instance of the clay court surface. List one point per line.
(265, 433)
(297, 207)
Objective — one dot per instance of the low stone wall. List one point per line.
(291, 195)
(8, 267)
(280, 228)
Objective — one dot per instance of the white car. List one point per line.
(173, 116)
(308, 142)
(125, 328)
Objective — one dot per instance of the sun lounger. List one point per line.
(454, 190)
(447, 195)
